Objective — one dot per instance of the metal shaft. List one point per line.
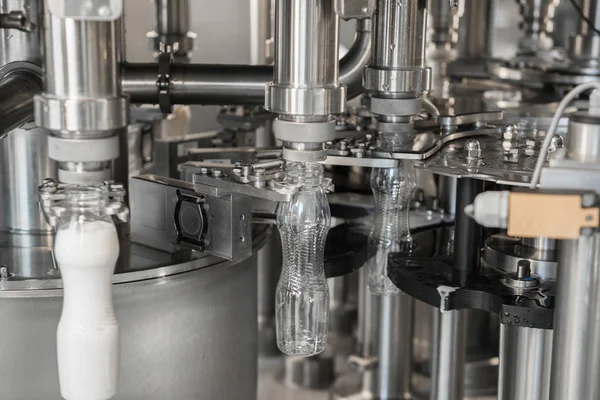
(172, 28)
(525, 363)
(234, 84)
(474, 35)
(399, 34)
(468, 232)
(537, 24)
(448, 355)
(576, 347)
(395, 347)
(262, 31)
(585, 44)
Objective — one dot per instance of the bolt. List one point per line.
(4, 273)
(473, 148)
(556, 143)
(512, 156)
(237, 171)
(217, 173)
(509, 132)
(530, 143)
(343, 145)
(529, 151)
(204, 171)
(506, 145)
(523, 269)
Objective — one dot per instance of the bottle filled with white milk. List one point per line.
(86, 250)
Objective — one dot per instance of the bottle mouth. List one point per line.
(304, 174)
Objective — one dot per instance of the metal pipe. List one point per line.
(448, 355)
(576, 347)
(17, 91)
(234, 84)
(262, 31)
(525, 361)
(474, 37)
(394, 368)
(468, 233)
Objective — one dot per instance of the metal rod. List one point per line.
(448, 355)
(468, 233)
(474, 38)
(525, 360)
(576, 347)
(234, 84)
(394, 367)
(16, 102)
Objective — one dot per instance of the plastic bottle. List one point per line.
(392, 192)
(86, 250)
(302, 296)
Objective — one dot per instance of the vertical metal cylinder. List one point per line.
(397, 66)
(443, 23)
(525, 363)
(449, 351)
(16, 45)
(576, 347)
(306, 69)
(468, 232)
(399, 34)
(394, 366)
(537, 24)
(474, 34)
(585, 44)
(172, 28)
(82, 98)
(262, 29)
(24, 164)
(305, 90)
(447, 194)
(24, 159)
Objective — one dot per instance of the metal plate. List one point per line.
(452, 160)
(466, 110)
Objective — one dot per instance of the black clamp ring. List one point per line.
(163, 80)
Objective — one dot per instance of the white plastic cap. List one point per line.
(490, 209)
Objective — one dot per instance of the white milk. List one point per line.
(88, 332)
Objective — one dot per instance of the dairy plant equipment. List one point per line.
(415, 217)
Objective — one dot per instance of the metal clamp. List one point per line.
(163, 80)
(17, 20)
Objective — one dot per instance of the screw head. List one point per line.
(473, 148)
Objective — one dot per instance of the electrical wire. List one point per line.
(583, 17)
(564, 103)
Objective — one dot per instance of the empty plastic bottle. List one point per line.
(302, 296)
(392, 192)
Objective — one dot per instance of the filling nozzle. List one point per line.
(82, 104)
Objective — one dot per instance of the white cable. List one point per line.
(573, 94)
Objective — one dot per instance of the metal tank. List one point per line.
(188, 330)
